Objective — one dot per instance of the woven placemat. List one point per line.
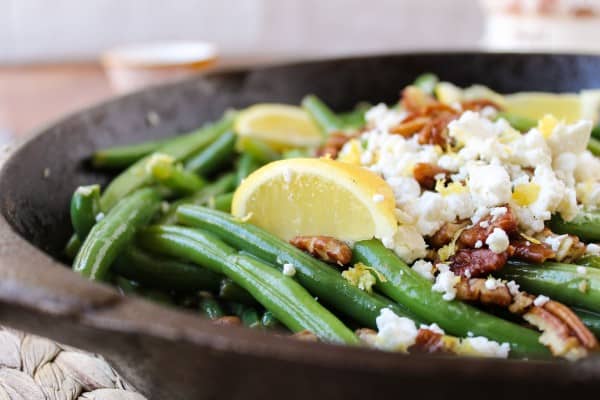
(35, 368)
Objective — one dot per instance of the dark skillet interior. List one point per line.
(37, 181)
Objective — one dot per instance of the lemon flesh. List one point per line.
(317, 197)
(281, 126)
(567, 107)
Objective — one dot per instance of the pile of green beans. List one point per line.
(162, 230)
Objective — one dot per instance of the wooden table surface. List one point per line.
(31, 96)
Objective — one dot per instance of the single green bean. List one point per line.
(398, 281)
(596, 131)
(72, 247)
(288, 301)
(589, 319)
(125, 286)
(202, 197)
(213, 157)
(323, 116)
(163, 273)
(248, 315)
(165, 171)
(594, 146)
(586, 225)
(319, 278)
(211, 308)
(563, 282)
(426, 82)
(589, 261)
(179, 148)
(222, 202)
(258, 149)
(112, 234)
(246, 165)
(298, 153)
(269, 321)
(231, 291)
(355, 119)
(123, 156)
(85, 206)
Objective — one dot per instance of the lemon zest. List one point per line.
(451, 188)
(547, 124)
(449, 250)
(361, 276)
(530, 238)
(525, 194)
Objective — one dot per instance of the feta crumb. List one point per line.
(99, 216)
(424, 268)
(394, 333)
(482, 346)
(435, 328)
(593, 249)
(498, 241)
(555, 241)
(470, 334)
(484, 224)
(478, 244)
(289, 269)
(497, 212)
(445, 282)
(541, 300)
(513, 288)
(489, 185)
(492, 284)
(378, 198)
(581, 270)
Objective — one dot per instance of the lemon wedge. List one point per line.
(280, 125)
(533, 105)
(307, 196)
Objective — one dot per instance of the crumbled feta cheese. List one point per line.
(431, 213)
(482, 346)
(541, 300)
(378, 198)
(433, 328)
(571, 138)
(581, 270)
(555, 241)
(593, 249)
(484, 224)
(394, 333)
(498, 241)
(497, 212)
(289, 269)
(478, 244)
(492, 284)
(407, 243)
(423, 268)
(445, 282)
(470, 334)
(489, 185)
(99, 216)
(513, 288)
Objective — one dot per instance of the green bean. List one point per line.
(288, 301)
(594, 146)
(355, 119)
(123, 156)
(164, 171)
(213, 157)
(398, 281)
(323, 116)
(125, 286)
(596, 131)
(426, 82)
(112, 234)
(246, 165)
(179, 148)
(202, 197)
(231, 291)
(586, 225)
(319, 278)
(297, 153)
(222, 202)
(211, 308)
(72, 247)
(522, 124)
(562, 282)
(163, 273)
(85, 206)
(589, 319)
(248, 315)
(269, 321)
(589, 261)
(258, 149)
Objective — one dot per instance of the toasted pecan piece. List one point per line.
(428, 341)
(473, 263)
(325, 248)
(425, 174)
(335, 142)
(445, 234)
(414, 100)
(475, 290)
(479, 104)
(531, 252)
(410, 126)
(566, 315)
(470, 236)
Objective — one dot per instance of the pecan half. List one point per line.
(531, 252)
(475, 290)
(325, 248)
(409, 126)
(473, 263)
(479, 104)
(445, 234)
(334, 144)
(425, 174)
(428, 341)
(414, 100)
(507, 222)
(565, 314)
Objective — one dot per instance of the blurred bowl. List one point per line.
(132, 67)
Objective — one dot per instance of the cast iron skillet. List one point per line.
(170, 354)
